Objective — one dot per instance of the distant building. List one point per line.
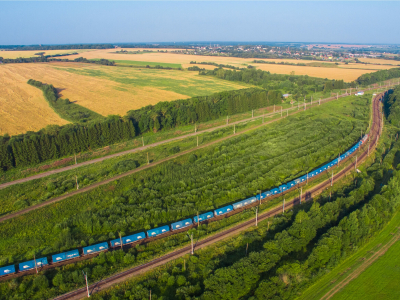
(286, 95)
(360, 93)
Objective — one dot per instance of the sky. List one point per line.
(57, 22)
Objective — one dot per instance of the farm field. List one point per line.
(344, 72)
(177, 189)
(378, 281)
(29, 53)
(105, 90)
(379, 61)
(22, 106)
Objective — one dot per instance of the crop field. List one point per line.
(105, 90)
(370, 67)
(345, 73)
(145, 63)
(22, 106)
(379, 61)
(26, 54)
(177, 189)
(378, 281)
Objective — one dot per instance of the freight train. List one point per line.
(159, 231)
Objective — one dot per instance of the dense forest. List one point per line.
(56, 47)
(57, 141)
(48, 58)
(392, 106)
(374, 77)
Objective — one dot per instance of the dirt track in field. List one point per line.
(360, 269)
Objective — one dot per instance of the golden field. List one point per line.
(26, 54)
(105, 90)
(348, 72)
(379, 61)
(22, 107)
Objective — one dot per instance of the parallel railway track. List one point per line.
(375, 131)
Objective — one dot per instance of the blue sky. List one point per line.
(107, 22)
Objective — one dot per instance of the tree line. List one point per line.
(49, 58)
(54, 141)
(381, 75)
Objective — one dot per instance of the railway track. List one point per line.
(375, 132)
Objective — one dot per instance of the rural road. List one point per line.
(123, 276)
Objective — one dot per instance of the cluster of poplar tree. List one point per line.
(371, 78)
(58, 141)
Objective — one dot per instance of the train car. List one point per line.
(29, 265)
(181, 224)
(203, 217)
(128, 239)
(266, 194)
(223, 210)
(157, 231)
(282, 188)
(7, 270)
(302, 178)
(291, 184)
(95, 248)
(275, 191)
(65, 256)
(244, 202)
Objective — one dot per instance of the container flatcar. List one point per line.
(128, 239)
(64, 256)
(157, 231)
(181, 224)
(7, 270)
(223, 210)
(244, 202)
(95, 248)
(203, 217)
(29, 265)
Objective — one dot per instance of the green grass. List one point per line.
(182, 82)
(379, 281)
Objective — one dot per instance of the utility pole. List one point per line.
(256, 216)
(75, 157)
(197, 141)
(120, 239)
(301, 193)
(195, 128)
(143, 141)
(77, 184)
(34, 259)
(260, 197)
(227, 120)
(247, 248)
(87, 285)
(305, 105)
(191, 239)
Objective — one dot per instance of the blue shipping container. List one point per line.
(29, 265)
(291, 184)
(204, 216)
(283, 188)
(244, 202)
(267, 194)
(274, 191)
(223, 210)
(181, 224)
(64, 256)
(7, 270)
(157, 231)
(95, 248)
(128, 239)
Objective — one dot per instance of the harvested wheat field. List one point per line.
(380, 61)
(25, 54)
(330, 73)
(347, 74)
(372, 68)
(105, 90)
(22, 107)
